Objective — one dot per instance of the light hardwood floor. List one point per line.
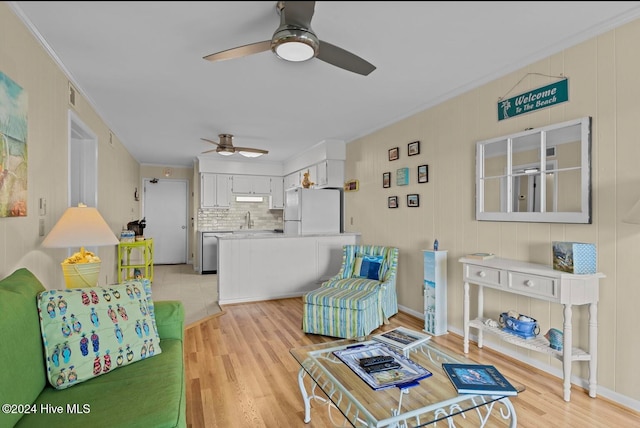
(239, 373)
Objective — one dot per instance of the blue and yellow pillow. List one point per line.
(90, 331)
(370, 267)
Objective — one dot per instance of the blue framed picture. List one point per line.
(402, 176)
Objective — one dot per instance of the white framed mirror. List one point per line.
(537, 175)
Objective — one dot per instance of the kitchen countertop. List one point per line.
(271, 235)
(242, 231)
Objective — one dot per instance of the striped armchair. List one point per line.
(350, 304)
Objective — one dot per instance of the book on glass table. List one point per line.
(404, 374)
(483, 379)
(402, 338)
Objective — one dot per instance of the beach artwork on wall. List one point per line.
(13, 148)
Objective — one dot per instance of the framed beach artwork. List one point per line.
(423, 174)
(386, 180)
(13, 148)
(393, 154)
(413, 148)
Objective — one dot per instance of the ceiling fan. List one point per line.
(226, 148)
(295, 41)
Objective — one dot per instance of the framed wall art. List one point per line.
(351, 186)
(394, 154)
(413, 148)
(386, 180)
(402, 176)
(413, 200)
(423, 174)
(13, 148)
(392, 202)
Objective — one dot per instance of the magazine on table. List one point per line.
(484, 379)
(480, 256)
(407, 374)
(402, 338)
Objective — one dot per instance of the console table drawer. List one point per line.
(542, 286)
(483, 275)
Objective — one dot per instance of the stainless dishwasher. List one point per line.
(209, 252)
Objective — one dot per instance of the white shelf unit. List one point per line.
(538, 282)
(435, 292)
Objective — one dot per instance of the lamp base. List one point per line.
(81, 275)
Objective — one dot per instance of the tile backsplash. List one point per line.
(235, 217)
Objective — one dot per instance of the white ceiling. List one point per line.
(141, 65)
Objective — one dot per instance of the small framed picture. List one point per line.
(386, 179)
(423, 174)
(413, 200)
(393, 154)
(393, 202)
(414, 148)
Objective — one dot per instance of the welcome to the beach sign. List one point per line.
(535, 99)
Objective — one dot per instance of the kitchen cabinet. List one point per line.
(292, 180)
(276, 197)
(328, 173)
(214, 190)
(251, 185)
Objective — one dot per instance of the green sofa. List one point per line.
(147, 393)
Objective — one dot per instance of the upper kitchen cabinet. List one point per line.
(292, 180)
(251, 184)
(329, 173)
(276, 199)
(215, 190)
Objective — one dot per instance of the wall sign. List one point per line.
(402, 176)
(544, 97)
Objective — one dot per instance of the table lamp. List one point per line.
(80, 226)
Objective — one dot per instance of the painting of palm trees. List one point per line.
(13, 148)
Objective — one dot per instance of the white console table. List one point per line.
(539, 282)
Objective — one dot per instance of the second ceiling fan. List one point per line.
(226, 147)
(295, 41)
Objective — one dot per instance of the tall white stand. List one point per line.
(435, 292)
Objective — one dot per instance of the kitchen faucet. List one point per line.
(248, 217)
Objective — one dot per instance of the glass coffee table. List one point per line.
(433, 399)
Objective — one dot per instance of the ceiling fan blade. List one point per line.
(208, 151)
(240, 51)
(298, 13)
(341, 58)
(248, 149)
(210, 141)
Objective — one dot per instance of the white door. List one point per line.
(166, 214)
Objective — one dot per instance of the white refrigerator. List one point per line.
(309, 211)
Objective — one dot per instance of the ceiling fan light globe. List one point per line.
(250, 154)
(225, 152)
(294, 51)
(295, 45)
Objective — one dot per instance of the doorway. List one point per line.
(166, 217)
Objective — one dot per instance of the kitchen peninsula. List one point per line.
(254, 267)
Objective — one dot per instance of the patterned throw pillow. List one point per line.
(87, 332)
(366, 266)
